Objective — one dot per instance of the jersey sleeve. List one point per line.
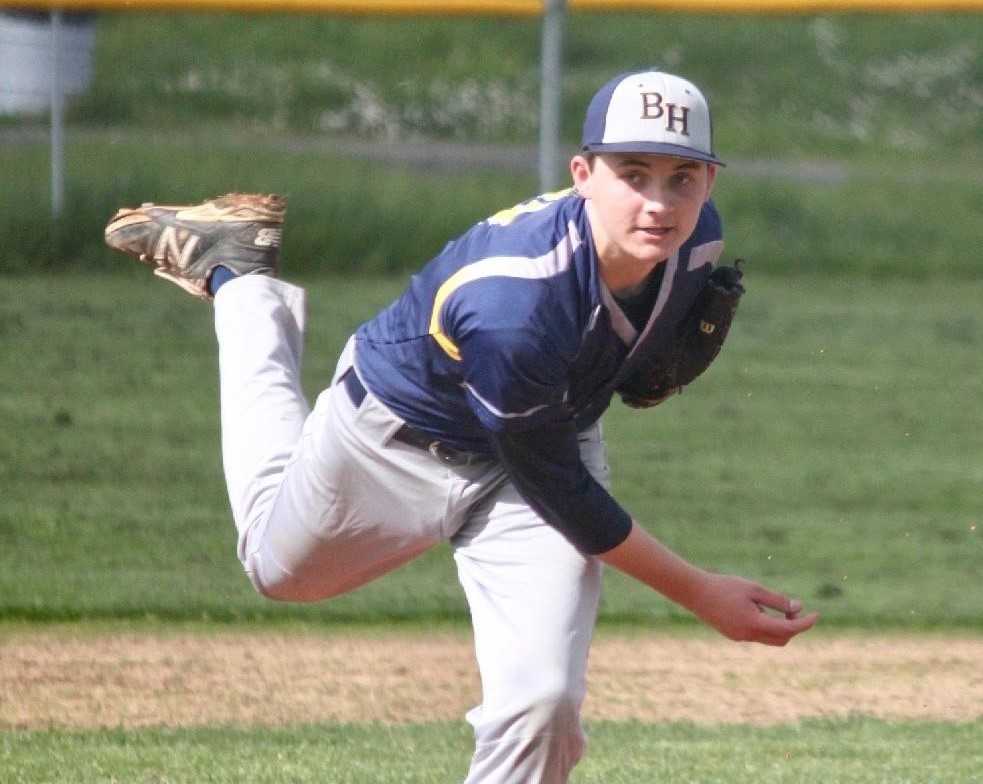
(545, 466)
(513, 382)
(514, 364)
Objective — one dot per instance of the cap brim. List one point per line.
(655, 148)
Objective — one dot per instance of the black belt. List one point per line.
(410, 436)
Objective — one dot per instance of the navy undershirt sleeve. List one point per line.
(545, 465)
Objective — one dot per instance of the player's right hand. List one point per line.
(738, 609)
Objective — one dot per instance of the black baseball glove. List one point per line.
(697, 342)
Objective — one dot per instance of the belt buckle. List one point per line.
(446, 454)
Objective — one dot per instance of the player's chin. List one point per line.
(650, 247)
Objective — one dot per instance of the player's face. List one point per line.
(642, 208)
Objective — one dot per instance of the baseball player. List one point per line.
(468, 410)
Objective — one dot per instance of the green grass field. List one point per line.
(833, 451)
(848, 752)
(896, 218)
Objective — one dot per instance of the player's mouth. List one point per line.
(656, 232)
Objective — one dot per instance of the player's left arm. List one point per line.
(545, 465)
(516, 377)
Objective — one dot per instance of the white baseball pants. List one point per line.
(326, 500)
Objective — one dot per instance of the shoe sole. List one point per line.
(232, 208)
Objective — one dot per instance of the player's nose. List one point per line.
(658, 200)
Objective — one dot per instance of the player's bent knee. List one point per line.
(282, 591)
(279, 586)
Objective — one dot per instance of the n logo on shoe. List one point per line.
(175, 246)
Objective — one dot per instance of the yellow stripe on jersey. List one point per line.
(506, 216)
(552, 263)
(447, 288)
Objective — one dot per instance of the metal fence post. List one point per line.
(551, 91)
(57, 118)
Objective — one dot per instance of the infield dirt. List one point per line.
(80, 679)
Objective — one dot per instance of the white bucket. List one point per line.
(26, 59)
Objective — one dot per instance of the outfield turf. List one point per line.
(832, 451)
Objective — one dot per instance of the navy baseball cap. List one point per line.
(650, 112)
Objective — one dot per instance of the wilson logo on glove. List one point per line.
(698, 340)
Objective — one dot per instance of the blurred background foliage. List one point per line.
(855, 141)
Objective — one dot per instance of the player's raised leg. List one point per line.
(320, 505)
(258, 320)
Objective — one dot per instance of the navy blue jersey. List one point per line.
(510, 330)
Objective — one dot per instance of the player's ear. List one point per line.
(711, 178)
(580, 170)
